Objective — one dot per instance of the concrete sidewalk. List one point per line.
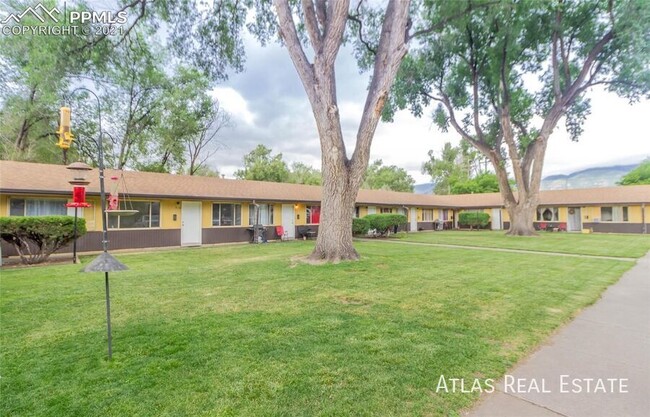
(605, 352)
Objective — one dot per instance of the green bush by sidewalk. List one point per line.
(474, 220)
(360, 226)
(36, 238)
(384, 223)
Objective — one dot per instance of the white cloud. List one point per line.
(234, 103)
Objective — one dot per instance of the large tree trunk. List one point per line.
(334, 242)
(522, 215)
(342, 176)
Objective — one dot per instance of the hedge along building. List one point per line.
(178, 210)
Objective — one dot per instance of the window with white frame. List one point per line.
(606, 214)
(356, 212)
(37, 207)
(427, 215)
(386, 210)
(148, 216)
(226, 214)
(313, 214)
(260, 214)
(548, 214)
(614, 214)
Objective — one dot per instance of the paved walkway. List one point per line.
(492, 249)
(608, 343)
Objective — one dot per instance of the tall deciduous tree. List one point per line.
(325, 25)
(34, 71)
(132, 100)
(203, 144)
(455, 165)
(304, 174)
(381, 177)
(261, 165)
(446, 169)
(478, 70)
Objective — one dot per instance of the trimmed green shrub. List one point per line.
(477, 219)
(360, 226)
(384, 223)
(36, 238)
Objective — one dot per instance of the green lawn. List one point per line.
(619, 245)
(245, 330)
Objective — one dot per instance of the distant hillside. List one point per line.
(588, 178)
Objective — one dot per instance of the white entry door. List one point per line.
(574, 223)
(414, 219)
(496, 219)
(191, 223)
(289, 221)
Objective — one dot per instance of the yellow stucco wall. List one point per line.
(169, 208)
(634, 213)
(277, 214)
(301, 214)
(206, 214)
(363, 211)
(4, 205)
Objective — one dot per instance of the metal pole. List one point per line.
(108, 318)
(102, 198)
(74, 242)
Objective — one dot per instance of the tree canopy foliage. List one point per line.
(304, 174)
(261, 165)
(156, 112)
(459, 170)
(486, 182)
(35, 72)
(503, 76)
(639, 175)
(382, 177)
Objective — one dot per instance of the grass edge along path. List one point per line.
(244, 331)
(596, 244)
(488, 248)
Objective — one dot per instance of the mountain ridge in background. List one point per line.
(596, 177)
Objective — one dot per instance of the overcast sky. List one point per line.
(268, 105)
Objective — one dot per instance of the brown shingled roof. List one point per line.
(25, 177)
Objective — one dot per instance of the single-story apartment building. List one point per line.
(181, 210)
